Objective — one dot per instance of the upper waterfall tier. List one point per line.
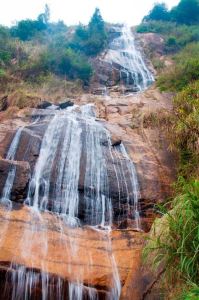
(123, 63)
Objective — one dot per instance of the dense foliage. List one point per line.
(158, 13)
(186, 129)
(186, 12)
(35, 48)
(177, 244)
(27, 29)
(185, 70)
(92, 39)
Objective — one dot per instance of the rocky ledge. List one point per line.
(63, 252)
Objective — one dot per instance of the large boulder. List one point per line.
(65, 104)
(44, 104)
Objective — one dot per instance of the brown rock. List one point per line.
(73, 254)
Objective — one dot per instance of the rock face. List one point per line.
(20, 185)
(65, 256)
(130, 119)
(4, 103)
(119, 177)
(63, 252)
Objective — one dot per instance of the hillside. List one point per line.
(99, 158)
(171, 39)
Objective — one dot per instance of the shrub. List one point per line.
(171, 44)
(184, 71)
(186, 128)
(27, 29)
(191, 294)
(176, 244)
(60, 61)
(156, 27)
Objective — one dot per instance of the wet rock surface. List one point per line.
(22, 177)
(59, 258)
(147, 148)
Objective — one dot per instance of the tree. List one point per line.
(27, 29)
(45, 17)
(158, 13)
(186, 12)
(96, 24)
(92, 39)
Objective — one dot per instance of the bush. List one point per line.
(176, 36)
(27, 29)
(176, 243)
(191, 294)
(186, 128)
(171, 44)
(156, 27)
(184, 71)
(2, 73)
(5, 49)
(60, 61)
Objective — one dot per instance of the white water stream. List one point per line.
(124, 55)
(5, 198)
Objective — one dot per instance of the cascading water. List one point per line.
(71, 137)
(124, 56)
(5, 198)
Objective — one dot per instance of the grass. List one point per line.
(174, 243)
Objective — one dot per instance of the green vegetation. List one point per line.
(91, 40)
(27, 29)
(186, 129)
(185, 70)
(176, 36)
(174, 243)
(177, 247)
(186, 12)
(192, 294)
(33, 49)
(179, 27)
(158, 13)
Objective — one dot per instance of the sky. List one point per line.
(74, 11)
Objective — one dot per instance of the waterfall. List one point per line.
(135, 186)
(124, 55)
(5, 198)
(73, 144)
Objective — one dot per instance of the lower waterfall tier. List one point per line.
(67, 255)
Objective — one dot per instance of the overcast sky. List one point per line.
(75, 11)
